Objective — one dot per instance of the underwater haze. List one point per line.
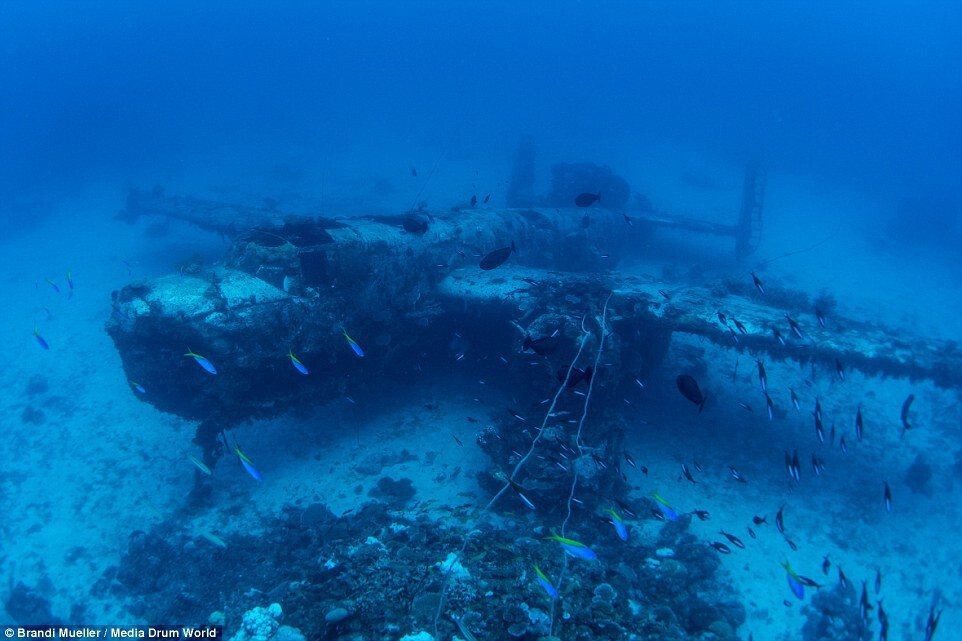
(495, 320)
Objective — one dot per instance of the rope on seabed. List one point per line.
(524, 459)
(427, 180)
(574, 481)
(794, 253)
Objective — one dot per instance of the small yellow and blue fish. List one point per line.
(70, 285)
(202, 361)
(357, 348)
(213, 538)
(574, 548)
(52, 284)
(298, 365)
(619, 525)
(137, 386)
(793, 581)
(200, 464)
(546, 584)
(665, 508)
(43, 343)
(248, 465)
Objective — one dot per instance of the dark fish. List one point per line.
(644, 470)
(778, 336)
(888, 498)
(722, 319)
(796, 466)
(627, 218)
(780, 520)
(760, 520)
(587, 199)
(878, 580)
(864, 607)
(791, 544)
(809, 583)
(688, 387)
(842, 446)
(839, 370)
(831, 440)
(697, 466)
(859, 425)
(474, 200)
(826, 564)
(517, 416)
(752, 534)
(932, 623)
(883, 622)
(737, 542)
(541, 346)
(820, 317)
(739, 325)
(746, 407)
(457, 440)
(736, 475)
(762, 376)
(721, 547)
(497, 257)
(577, 375)
(818, 409)
(906, 406)
(600, 462)
(842, 580)
(687, 473)
(758, 284)
(520, 492)
(626, 510)
(819, 431)
(794, 325)
(486, 199)
(657, 514)
(414, 225)
(795, 403)
(703, 515)
(665, 294)
(414, 171)
(770, 406)
(818, 466)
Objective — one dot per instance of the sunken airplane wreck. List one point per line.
(303, 310)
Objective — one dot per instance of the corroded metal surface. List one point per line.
(295, 284)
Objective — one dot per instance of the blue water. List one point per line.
(853, 109)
